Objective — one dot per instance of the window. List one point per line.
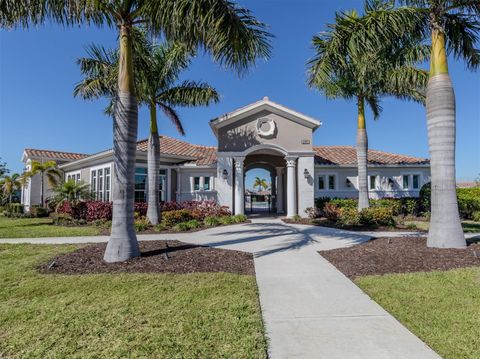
(140, 184)
(416, 181)
(74, 177)
(373, 182)
(100, 183)
(321, 182)
(206, 184)
(196, 183)
(405, 181)
(162, 191)
(331, 182)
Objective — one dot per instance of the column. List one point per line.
(279, 189)
(291, 186)
(239, 186)
(169, 185)
(179, 185)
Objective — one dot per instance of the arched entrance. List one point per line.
(260, 189)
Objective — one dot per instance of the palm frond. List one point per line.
(189, 93)
(462, 34)
(173, 117)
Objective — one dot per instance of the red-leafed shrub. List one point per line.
(99, 210)
(171, 218)
(331, 211)
(141, 208)
(171, 206)
(64, 208)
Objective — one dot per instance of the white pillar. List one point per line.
(279, 189)
(291, 186)
(239, 186)
(169, 185)
(305, 184)
(202, 183)
(179, 185)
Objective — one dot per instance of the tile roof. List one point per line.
(347, 155)
(31, 152)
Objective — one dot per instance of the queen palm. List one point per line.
(453, 26)
(48, 170)
(71, 191)
(349, 63)
(260, 183)
(156, 76)
(231, 34)
(9, 184)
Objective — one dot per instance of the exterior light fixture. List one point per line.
(348, 183)
(225, 174)
(306, 174)
(390, 181)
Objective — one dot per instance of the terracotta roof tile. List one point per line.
(31, 152)
(347, 155)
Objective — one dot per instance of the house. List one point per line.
(264, 135)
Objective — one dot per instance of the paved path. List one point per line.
(310, 309)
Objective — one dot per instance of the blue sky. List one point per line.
(38, 72)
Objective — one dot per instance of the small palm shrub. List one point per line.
(211, 221)
(171, 218)
(240, 218)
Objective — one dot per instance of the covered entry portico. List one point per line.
(266, 134)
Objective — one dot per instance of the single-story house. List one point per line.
(264, 135)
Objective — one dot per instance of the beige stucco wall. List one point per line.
(242, 134)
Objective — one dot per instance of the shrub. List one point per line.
(476, 216)
(38, 212)
(394, 204)
(140, 208)
(13, 209)
(171, 218)
(193, 224)
(344, 202)
(349, 217)
(63, 219)
(211, 221)
(468, 201)
(311, 212)
(142, 224)
(380, 216)
(297, 218)
(425, 197)
(98, 210)
(181, 227)
(331, 211)
(240, 218)
(320, 202)
(160, 227)
(227, 220)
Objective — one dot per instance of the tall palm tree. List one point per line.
(9, 184)
(47, 169)
(228, 32)
(342, 67)
(156, 76)
(453, 26)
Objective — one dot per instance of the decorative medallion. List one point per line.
(266, 127)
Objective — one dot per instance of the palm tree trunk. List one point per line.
(153, 164)
(362, 157)
(445, 227)
(123, 243)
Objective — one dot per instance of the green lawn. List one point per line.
(468, 226)
(124, 315)
(441, 308)
(41, 227)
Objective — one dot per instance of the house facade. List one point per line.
(263, 135)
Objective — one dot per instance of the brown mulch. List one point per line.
(157, 257)
(399, 255)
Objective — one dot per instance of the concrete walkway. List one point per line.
(310, 309)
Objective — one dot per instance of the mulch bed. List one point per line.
(323, 222)
(399, 255)
(157, 257)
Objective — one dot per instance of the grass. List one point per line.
(468, 226)
(210, 315)
(41, 227)
(441, 308)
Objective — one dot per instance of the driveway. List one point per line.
(310, 309)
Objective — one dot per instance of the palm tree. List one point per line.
(9, 185)
(230, 33)
(453, 26)
(343, 68)
(156, 75)
(71, 191)
(47, 169)
(260, 183)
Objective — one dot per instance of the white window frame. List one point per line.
(326, 182)
(377, 181)
(75, 175)
(95, 193)
(410, 180)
